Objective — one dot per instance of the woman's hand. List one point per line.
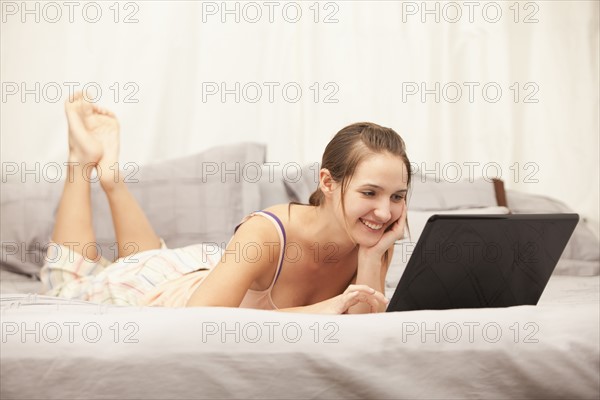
(353, 295)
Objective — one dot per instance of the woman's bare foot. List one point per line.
(93, 137)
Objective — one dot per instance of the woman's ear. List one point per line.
(326, 182)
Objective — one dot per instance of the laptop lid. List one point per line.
(476, 261)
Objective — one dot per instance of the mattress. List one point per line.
(58, 348)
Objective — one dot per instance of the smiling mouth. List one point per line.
(371, 225)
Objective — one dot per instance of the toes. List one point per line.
(103, 111)
(75, 97)
(77, 101)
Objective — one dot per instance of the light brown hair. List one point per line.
(350, 146)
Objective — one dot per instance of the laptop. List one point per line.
(485, 260)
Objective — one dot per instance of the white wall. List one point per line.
(370, 57)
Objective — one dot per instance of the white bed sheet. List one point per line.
(547, 351)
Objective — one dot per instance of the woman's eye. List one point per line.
(397, 197)
(368, 194)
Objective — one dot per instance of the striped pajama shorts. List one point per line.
(126, 281)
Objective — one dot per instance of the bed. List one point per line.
(67, 349)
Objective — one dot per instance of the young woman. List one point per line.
(342, 242)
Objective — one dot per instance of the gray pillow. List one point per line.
(582, 254)
(431, 194)
(199, 198)
(27, 211)
(301, 185)
(425, 193)
(271, 184)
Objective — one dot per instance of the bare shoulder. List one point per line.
(283, 211)
(257, 228)
(280, 210)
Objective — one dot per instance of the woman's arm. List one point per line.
(372, 269)
(250, 256)
(341, 304)
(372, 273)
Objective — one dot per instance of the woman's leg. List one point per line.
(133, 230)
(73, 227)
(94, 140)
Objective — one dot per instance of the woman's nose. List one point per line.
(382, 212)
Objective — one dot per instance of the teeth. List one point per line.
(375, 227)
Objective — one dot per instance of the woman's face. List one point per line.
(375, 197)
